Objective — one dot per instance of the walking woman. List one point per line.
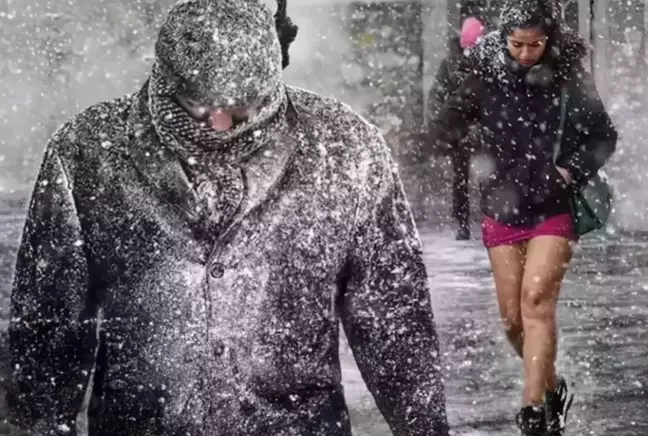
(524, 72)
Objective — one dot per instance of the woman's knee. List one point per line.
(547, 259)
(538, 300)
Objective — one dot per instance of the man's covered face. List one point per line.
(219, 118)
(222, 59)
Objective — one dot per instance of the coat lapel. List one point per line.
(160, 168)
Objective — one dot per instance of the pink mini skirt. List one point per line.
(495, 233)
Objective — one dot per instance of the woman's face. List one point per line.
(527, 45)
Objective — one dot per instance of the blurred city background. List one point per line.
(58, 57)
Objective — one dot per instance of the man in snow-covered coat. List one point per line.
(199, 242)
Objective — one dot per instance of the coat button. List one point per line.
(217, 270)
(219, 349)
(247, 406)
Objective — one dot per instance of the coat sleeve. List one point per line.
(453, 119)
(597, 133)
(52, 332)
(386, 311)
(440, 90)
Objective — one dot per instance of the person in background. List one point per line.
(528, 82)
(453, 69)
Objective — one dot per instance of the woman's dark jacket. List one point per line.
(519, 113)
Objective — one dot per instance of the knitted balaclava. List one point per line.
(223, 54)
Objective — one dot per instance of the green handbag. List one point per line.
(591, 204)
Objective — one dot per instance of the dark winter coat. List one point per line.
(519, 112)
(452, 70)
(216, 314)
(451, 73)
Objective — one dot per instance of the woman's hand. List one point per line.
(565, 174)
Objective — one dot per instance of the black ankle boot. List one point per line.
(557, 404)
(532, 421)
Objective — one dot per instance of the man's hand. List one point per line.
(565, 174)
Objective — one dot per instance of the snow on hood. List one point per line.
(565, 51)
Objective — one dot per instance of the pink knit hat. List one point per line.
(471, 31)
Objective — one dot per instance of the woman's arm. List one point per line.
(598, 136)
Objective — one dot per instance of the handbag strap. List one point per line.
(564, 95)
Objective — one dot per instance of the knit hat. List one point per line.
(471, 31)
(224, 53)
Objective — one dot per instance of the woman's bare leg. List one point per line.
(547, 258)
(507, 263)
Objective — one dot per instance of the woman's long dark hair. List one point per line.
(286, 30)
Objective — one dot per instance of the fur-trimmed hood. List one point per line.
(565, 52)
